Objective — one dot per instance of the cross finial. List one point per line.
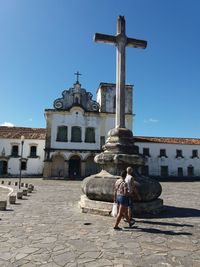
(77, 74)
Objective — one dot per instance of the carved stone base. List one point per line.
(140, 209)
(100, 187)
(119, 152)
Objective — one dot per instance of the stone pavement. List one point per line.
(47, 229)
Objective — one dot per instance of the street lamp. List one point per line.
(20, 173)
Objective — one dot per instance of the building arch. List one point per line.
(58, 164)
(75, 167)
(90, 166)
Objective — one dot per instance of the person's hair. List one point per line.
(123, 174)
(129, 170)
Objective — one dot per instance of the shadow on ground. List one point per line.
(166, 223)
(156, 231)
(149, 226)
(179, 212)
(173, 212)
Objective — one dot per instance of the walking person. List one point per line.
(130, 180)
(121, 198)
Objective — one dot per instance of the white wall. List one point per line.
(155, 162)
(75, 117)
(34, 165)
(102, 123)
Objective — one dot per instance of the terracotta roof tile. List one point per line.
(168, 140)
(40, 133)
(17, 132)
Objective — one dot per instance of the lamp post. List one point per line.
(20, 173)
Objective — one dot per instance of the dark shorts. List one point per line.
(130, 202)
(123, 200)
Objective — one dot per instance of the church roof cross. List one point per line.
(77, 76)
(121, 41)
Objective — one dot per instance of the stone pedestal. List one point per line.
(19, 195)
(100, 187)
(3, 204)
(12, 199)
(140, 209)
(119, 152)
(31, 186)
(30, 190)
(25, 192)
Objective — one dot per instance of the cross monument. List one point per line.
(121, 41)
(77, 76)
(119, 151)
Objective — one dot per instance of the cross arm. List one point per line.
(104, 38)
(136, 43)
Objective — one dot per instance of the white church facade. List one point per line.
(76, 128)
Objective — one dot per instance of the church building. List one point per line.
(77, 127)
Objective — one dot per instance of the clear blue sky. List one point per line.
(43, 42)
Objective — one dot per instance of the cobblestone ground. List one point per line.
(48, 229)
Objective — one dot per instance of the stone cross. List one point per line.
(121, 41)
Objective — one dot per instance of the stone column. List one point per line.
(47, 169)
(66, 169)
(83, 164)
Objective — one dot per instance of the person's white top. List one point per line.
(128, 180)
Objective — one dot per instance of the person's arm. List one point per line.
(115, 193)
(135, 189)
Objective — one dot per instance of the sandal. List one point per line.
(117, 228)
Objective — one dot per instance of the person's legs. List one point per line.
(128, 212)
(119, 216)
(125, 213)
(130, 208)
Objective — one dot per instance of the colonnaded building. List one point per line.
(76, 130)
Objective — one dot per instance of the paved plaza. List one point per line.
(47, 229)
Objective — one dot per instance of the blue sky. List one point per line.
(44, 42)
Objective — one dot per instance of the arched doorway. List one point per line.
(91, 166)
(74, 167)
(3, 167)
(57, 169)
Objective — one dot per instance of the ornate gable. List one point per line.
(76, 96)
